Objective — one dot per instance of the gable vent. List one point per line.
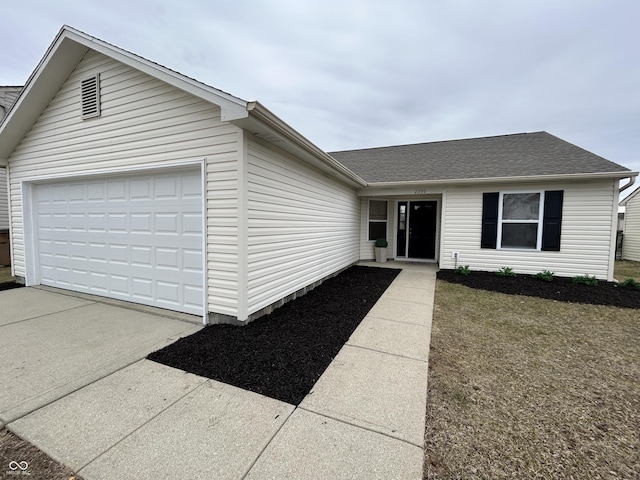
(91, 97)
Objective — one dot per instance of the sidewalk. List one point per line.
(364, 418)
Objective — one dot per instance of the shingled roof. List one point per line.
(518, 155)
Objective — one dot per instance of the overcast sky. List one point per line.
(354, 74)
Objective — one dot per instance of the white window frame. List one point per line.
(369, 221)
(501, 221)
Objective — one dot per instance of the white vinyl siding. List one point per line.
(144, 123)
(631, 240)
(4, 200)
(586, 241)
(302, 225)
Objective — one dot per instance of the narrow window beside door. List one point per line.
(377, 219)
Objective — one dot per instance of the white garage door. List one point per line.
(136, 238)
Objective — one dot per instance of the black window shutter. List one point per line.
(552, 221)
(489, 235)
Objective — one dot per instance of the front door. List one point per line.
(416, 235)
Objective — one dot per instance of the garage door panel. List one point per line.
(117, 223)
(140, 223)
(191, 186)
(167, 258)
(165, 188)
(192, 296)
(191, 224)
(166, 223)
(116, 191)
(120, 284)
(168, 292)
(137, 238)
(99, 282)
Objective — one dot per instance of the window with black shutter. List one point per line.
(522, 220)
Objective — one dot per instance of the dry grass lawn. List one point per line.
(5, 275)
(521, 387)
(16, 453)
(627, 269)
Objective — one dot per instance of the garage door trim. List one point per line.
(28, 188)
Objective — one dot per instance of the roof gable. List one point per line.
(508, 156)
(70, 46)
(64, 54)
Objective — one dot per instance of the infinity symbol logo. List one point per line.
(18, 465)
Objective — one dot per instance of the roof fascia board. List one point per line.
(536, 178)
(264, 124)
(232, 107)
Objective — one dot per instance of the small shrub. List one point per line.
(588, 280)
(630, 283)
(463, 270)
(506, 272)
(381, 243)
(545, 275)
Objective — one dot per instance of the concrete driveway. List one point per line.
(363, 420)
(52, 344)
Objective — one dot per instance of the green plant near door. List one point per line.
(381, 243)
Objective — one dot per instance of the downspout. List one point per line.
(632, 180)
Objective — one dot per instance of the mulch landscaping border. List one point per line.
(282, 355)
(560, 288)
(10, 285)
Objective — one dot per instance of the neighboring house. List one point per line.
(8, 96)
(631, 239)
(132, 181)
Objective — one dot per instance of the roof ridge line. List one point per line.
(440, 141)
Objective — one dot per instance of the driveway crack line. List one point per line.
(141, 426)
(48, 314)
(363, 428)
(267, 444)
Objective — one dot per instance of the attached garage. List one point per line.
(131, 181)
(135, 237)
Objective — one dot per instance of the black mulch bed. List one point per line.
(283, 354)
(9, 285)
(560, 288)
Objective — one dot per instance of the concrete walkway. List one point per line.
(364, 418)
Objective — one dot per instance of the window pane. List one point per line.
(520, 235)
(377, 210)
(377, 230)
(520, 206)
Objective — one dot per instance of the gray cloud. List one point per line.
(353, 74)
